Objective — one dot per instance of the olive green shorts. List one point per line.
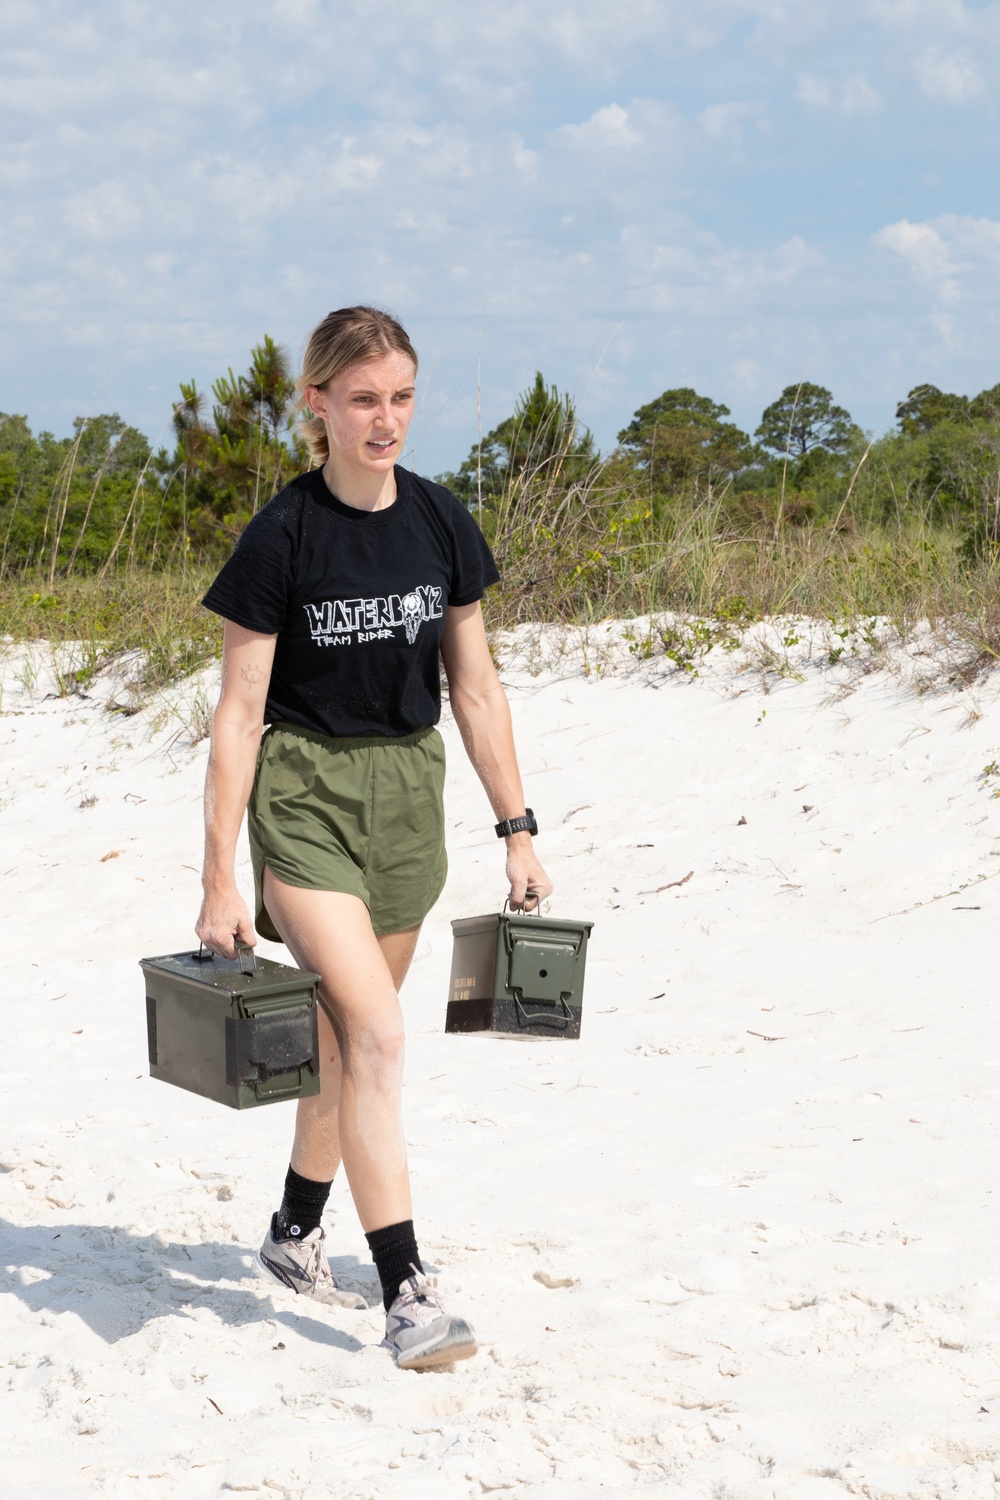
(363, 815)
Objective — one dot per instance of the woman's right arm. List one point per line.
(247, 657)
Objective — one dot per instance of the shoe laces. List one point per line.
(420, 1298)
(317, 1266)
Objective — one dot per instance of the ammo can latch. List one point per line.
(261, 1047)
(541, 969)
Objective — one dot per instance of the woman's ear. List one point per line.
(315, 400)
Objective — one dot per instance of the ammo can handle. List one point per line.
(244, 949)
(536, 911)
(287, 1091)
(205, 955)
(527, 1016)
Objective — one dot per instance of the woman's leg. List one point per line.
(331, 933)
(358, 1113)
(316, 1148)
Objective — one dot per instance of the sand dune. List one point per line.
(741, 1240)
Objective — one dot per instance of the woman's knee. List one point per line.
(376, 1046)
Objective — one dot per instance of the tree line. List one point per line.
(942, 459)
(102, 497)
(80, 504)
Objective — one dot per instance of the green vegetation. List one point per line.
(542, 438)
(680, 441)
(227, 469)
(102, 499)
(109, 545)
(804, 418)
(105, 543)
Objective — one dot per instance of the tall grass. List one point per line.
(602, 547)
(157, 613)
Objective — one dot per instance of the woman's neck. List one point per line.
(360, 490)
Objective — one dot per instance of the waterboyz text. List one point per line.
(339, 622)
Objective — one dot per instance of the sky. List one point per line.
(734, 195)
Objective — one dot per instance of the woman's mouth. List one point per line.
(381, 445)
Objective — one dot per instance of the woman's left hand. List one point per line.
(525, 873)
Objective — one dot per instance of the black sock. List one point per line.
(301, 1207)
(394, 1251)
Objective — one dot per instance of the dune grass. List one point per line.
(579, 553)
(156, 613)
(603, 551)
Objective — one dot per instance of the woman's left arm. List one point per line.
(482, 714)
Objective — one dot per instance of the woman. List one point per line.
(340, 601)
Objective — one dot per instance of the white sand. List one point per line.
(701, 1262)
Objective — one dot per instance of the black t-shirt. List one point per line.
(357, 599)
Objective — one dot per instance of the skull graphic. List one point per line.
(413, 615)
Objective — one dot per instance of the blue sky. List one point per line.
(734, 195)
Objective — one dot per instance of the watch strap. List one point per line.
(526, 824)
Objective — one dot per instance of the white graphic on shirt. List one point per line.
(339, 622)
(413, 615)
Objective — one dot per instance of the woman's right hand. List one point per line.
(224, 921)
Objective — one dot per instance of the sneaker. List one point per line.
(421, 1332)
(301, 1266)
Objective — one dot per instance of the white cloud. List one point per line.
(179, 179)
(952, 77)
(792, 259)
(696, 272)
(980, 237)
(428, 226)
(525, 160)
(746, 372)
(607, 128)
(725, 122)
(105, 212)
(814, 91)
(952, 252)
(443, 150)
(858, 97)
(849, 95)
(924, 248)
(944, 327)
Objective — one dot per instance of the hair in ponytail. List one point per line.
(344, 338)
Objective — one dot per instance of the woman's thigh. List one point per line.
(398, 949)
(330, 932)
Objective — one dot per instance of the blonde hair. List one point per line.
(344, 338)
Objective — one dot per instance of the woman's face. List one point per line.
(367, 410)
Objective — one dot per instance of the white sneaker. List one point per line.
(421, 1332)
(301, 1265)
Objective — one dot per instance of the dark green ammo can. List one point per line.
(240, 1036)
(517, 975)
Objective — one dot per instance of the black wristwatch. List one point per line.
(526, 824)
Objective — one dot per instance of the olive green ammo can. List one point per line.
(517, 975)
(240, 1038)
